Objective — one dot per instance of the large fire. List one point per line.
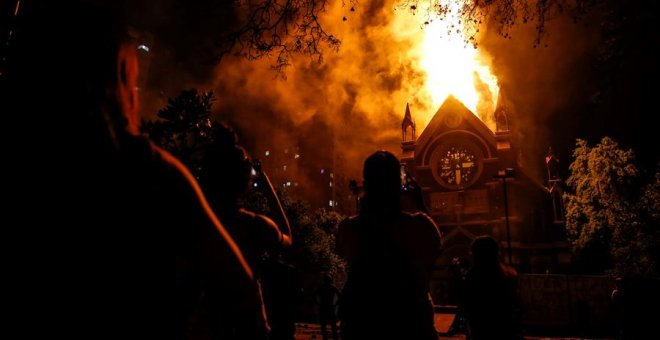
(453, 66)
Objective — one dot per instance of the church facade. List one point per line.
(473, 185)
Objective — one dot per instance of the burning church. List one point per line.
(473, 185)
(467, 163)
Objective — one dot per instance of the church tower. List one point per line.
(503, 134)
(555, 186)
(408, 137)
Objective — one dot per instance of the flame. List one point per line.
(454, 66)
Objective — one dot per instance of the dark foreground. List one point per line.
(308, 331)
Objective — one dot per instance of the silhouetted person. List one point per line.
(226, 175)
(620, 303)
(490, 297)
(455, 281)
(636, 300)
(283, 293)
(390, 255)
(109, 212)
(327, 296)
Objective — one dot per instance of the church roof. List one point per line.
(467, 120)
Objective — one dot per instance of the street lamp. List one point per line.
(503, 175)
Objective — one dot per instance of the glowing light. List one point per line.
(143, 47)
(453, 66)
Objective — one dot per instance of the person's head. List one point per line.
(75, 60)
(382, 179)
(327, 279)
(485, 251)
(227, 167)
(618, 282)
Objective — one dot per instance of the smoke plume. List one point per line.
(357, 96)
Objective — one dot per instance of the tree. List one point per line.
(506, 14)
(313, 251)
(185, 126)
(611, 219)
(280, 28)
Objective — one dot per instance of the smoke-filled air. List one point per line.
(389, 56)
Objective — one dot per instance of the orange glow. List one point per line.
(453, 66)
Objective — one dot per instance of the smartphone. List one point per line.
(256, 168)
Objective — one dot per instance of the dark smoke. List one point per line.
(544, 88)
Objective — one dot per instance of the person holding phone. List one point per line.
(227, 173)
(390, 254)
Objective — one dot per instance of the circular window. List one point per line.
(456, 165)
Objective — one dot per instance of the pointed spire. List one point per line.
(408, 122)
(552, 164)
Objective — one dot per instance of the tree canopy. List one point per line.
(280, 28)
(185, 126)
(314, 232)
(505, 14)
(611, 215)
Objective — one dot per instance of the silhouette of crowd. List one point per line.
(105, 212)
(110, 210)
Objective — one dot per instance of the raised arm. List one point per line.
(220, 261)
(277, 212)
(431, 236)
(416, 192)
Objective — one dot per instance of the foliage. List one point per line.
(609, 215)
(184, 127)
(280, 28)
(506, 14)
(313, 249)
(284, 28)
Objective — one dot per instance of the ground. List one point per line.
(308, 331)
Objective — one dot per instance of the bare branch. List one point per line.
(284, 28)
(504, 13)
(280, 28)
